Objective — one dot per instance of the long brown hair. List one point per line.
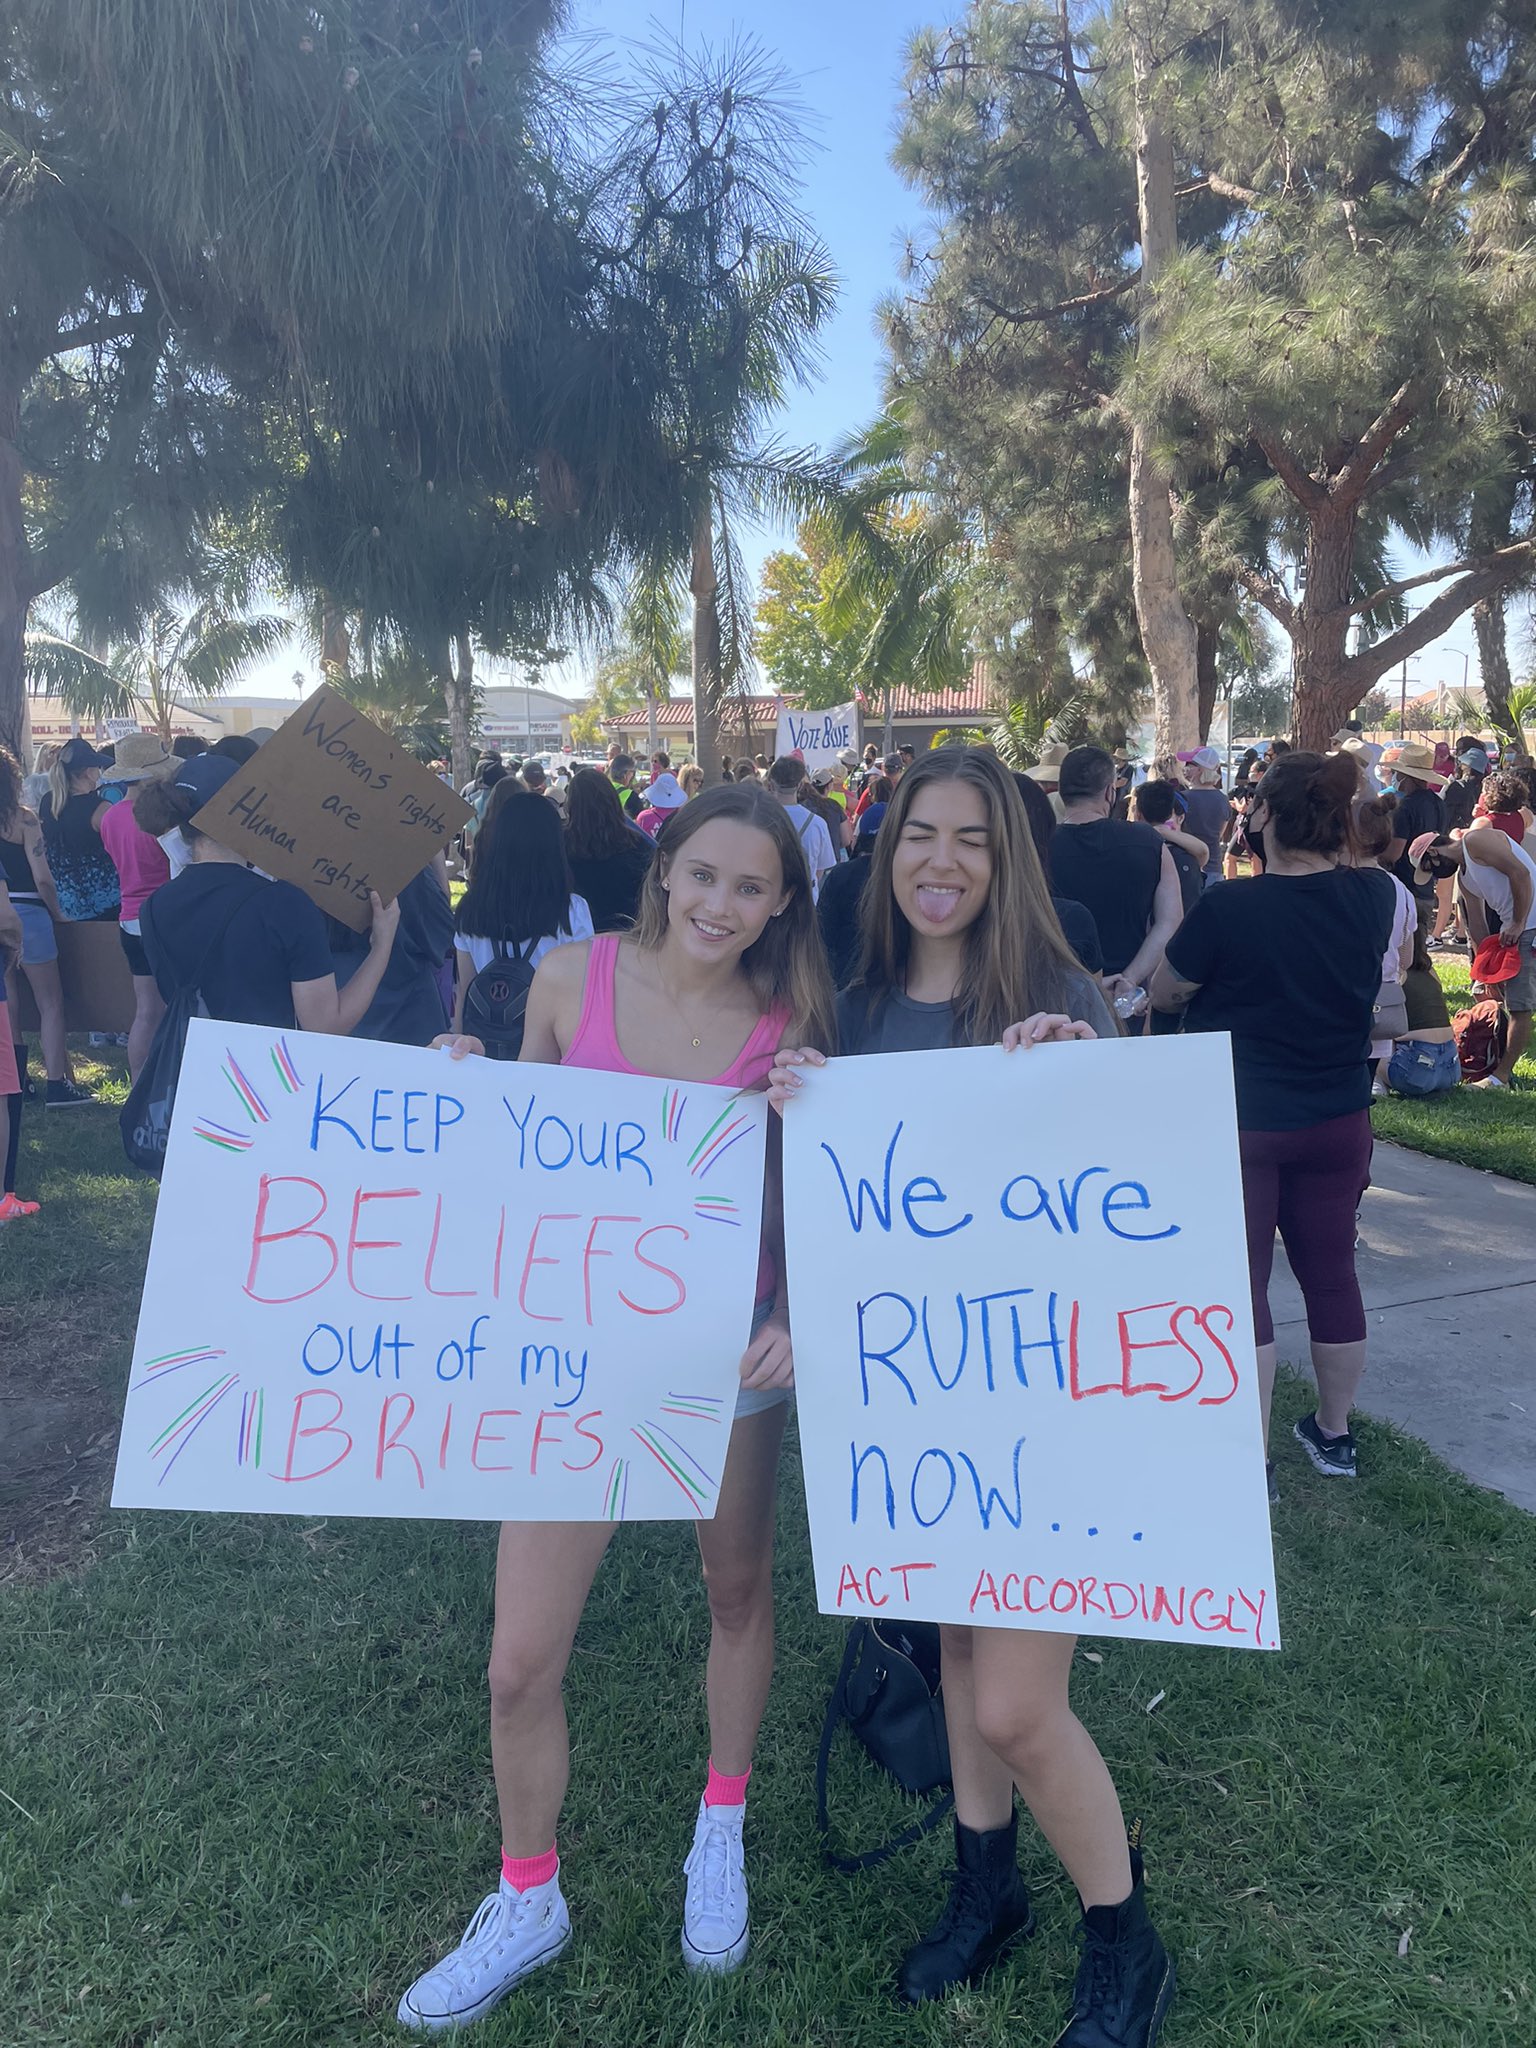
(787, 965)
(1017, 960)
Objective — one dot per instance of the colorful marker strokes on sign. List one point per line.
(441, 1289)
(1023, 1347)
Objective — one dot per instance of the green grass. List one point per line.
(1494, 1129)
(245, 1789)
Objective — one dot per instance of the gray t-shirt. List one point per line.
(1206, 812)
(897, 1024)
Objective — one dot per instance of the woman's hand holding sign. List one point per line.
(1046, 1027)
(768, 1360)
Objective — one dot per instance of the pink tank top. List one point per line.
(596, 1044)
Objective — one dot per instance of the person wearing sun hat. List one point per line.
(664, 794)
(1498, 886)
(142, 868)
(1409, 770)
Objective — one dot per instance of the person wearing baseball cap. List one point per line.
(70, 814)
(1207, 811)
(1498, 888)
(256, 950)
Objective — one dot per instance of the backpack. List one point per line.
(889, 1692)
(496, 1001)
(1482, 1035)
(145, 1121)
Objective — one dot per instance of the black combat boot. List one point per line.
(987, 1911)
(1125, 1980)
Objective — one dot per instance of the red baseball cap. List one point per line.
(1494, 962)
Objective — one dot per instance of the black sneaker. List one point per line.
(987, 1911)
(1334, 1455)
(1125, 1981)
(65, 1095)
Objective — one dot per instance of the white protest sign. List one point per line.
(1024, 1344)
(387, 1283)
(818, 736)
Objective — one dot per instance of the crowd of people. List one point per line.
(739, 933)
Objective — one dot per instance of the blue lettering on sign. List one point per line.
(378, 1117)
(827, 735)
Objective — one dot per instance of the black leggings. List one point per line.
(1308, 1183)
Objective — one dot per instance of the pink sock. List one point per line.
(522, 1873)
(722, 1791)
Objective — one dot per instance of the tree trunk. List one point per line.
(707, 681)
(652, 730)
(13, 590)
(456, 673)
(1208, 681)
(335, 640)
(1493, 660)
(1167, 636)
(1326, 689)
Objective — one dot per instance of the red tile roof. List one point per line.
(675, 714)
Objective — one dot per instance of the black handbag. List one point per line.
(890, 1693)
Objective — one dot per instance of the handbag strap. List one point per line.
(837, 1711)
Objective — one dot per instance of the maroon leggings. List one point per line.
(1308, 1184)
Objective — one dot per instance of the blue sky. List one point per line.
(847, 57)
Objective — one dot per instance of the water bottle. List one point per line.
(1131, 1003)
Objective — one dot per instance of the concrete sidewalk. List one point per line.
(1448, 1270)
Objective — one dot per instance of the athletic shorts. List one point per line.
(758, 1400)
(38, 943)
(1519, 992)
(133, 949)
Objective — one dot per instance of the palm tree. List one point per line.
(179, 659)
(897, 568)
(728, 292)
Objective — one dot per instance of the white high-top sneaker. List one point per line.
(715, 1933)
(511, 1935)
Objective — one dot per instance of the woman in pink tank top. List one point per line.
(724, 967)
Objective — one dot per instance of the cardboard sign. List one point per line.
(818, 737)
(331, 804)
(383, 1282)
(1023, 1342)
(98, 988)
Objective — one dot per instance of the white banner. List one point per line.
(818, 737)
(385, 1283)
(1023, 1341)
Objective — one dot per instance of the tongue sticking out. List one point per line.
(938, 905)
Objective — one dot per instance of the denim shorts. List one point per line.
(758, 1400)
(1420, 1068)
(38, 944)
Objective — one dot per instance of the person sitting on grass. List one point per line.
(1498, 893)
(1424, 1058)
